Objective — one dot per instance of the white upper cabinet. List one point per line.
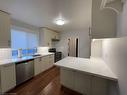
(104, 20)
(55, 35)
(115, 5)
(5, 34)
(46, 36)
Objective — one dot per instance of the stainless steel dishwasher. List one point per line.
(24, 71)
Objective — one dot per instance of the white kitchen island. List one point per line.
(87, 76)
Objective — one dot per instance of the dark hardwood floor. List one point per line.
(47, 83)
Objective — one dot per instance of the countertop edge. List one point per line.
(111, 76)
(12, 61)
(90, 73)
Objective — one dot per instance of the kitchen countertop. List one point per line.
(92, 66)
(15, 60)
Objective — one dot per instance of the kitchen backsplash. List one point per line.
(96, 48)
(42, 50)
(5, 53)
(25, 52)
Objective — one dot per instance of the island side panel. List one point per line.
(84, 83)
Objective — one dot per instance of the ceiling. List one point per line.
(42, 13)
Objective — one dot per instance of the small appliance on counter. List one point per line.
(19, 53)
(58, 55)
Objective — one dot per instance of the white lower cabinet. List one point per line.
(67, 78)
(37, 63)
(100, 86)
(8, 77)
(82, 83)
(47, 62)
(43, 63)
(51, 61)
(76, 81)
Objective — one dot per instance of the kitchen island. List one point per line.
(87, 76)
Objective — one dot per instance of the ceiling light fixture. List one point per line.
(60, 22)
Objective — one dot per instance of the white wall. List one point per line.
(115, 55)
(122, 22)
(84, 42)
(42, 50)
(5, 53)
(114, 52)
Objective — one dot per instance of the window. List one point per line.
(23, 39)
(27, 40)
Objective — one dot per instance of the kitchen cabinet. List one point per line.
(46, 36)
(100, 86)
(37, 63)
(83, 83)
(43, 63)
(67, 78)
(77, 81)
(115, 5)
(47, 62)
(108, 28)
(55, 35)
(5, 34)
(51, 60)
(8, 77)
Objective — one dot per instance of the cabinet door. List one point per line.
(56, 35)
(100, 86)
(5, 34)
(67, 78)
(51, 61)
(82, 83)
(48, 37)
(44, 62)
(8, 77)
(37, 68)
(44, 37)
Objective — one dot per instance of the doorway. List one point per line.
(73, 47)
